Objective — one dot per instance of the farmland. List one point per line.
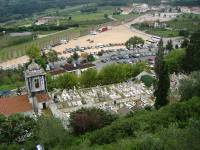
(186, 22)
(13, 47)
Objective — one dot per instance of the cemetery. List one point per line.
(115, 97)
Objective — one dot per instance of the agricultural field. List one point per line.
(126, 17)
(13, 47)
(20, 49)
(184, 22)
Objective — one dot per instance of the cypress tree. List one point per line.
(162, 75)
(162, 87)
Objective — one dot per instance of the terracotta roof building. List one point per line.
(16, 104)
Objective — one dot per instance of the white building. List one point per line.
(36, 98)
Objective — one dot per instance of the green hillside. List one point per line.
(176, 126)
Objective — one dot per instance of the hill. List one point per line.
(176, 126)
(18, 9)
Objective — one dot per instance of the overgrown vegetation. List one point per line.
(11, 79)
(174, 126)
(110, 74)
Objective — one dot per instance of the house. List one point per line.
(71, 68)
(140, 8)
(36, 98)
(160, 25)
(41, 21)
(126, 10)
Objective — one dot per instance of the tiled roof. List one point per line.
(16, 104)
(42, 97)
(56, 71)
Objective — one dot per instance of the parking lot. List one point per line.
(126, 56)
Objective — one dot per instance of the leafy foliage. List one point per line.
(174, 60)
(33, 52)
(16, 128)
(148, 80)
(133, 42)
(190, 86)
(113, 73)
(85, 120)
(89, 78)
(191, 60)
(148, 122)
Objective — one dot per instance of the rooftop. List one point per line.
(42, 97)
(34, 70)
(16, 104)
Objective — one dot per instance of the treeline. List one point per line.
(185, 59)
(39, 28)
(110, 74)
(11, 78)
(186, 2)
(17, 9)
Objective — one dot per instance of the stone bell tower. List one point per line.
(35, 83)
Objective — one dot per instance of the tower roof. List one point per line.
(34, 70)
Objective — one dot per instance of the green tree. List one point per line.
(16, 128)
(148, 80)
(85, 120)
(75, 56)
(52, 56)
(33, 52)
(163, 82)
(90, 58)
(42, 61)
(190, 87)
(191, 60)
(185, 43)
(159, 58)
(89, 78)
(133, 42)
(50, 132)
(67, 81)
(169, 45)
(184, 33)
(174, 60)
(106, 16)
(162, 87)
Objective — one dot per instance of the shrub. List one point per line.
(148, 80)
(85, 120)
(148, 122)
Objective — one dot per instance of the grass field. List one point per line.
(125, 17)
(7, 41)
(11, 86)
(163, 32)
(189, 22)
(20, 49)
(12, 47)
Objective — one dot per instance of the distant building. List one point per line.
(140, 8)
(36, 98)
(44, 20)
(160, 25)
(71, 68)
(126, 10)
(185, 10)
(41, 21)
